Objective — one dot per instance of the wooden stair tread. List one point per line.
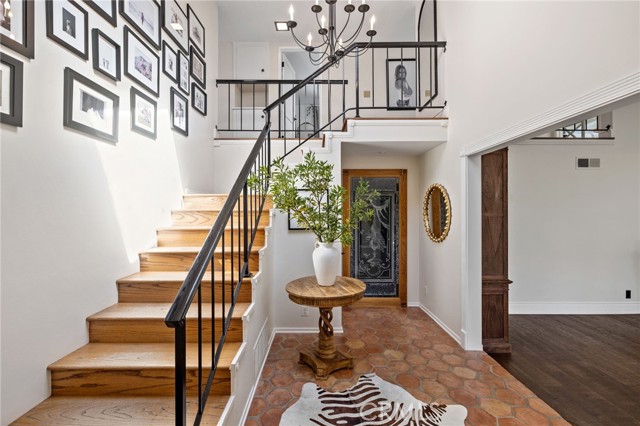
(124, 356)
(191, 250)
(117, 410)
(126, 311)
(173, 276)
(199, 228)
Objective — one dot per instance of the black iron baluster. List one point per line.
(200, 401)
(246, 235)
(181, 375)
(253, 110)
(357, 82)
(229, 106)
(373, 78)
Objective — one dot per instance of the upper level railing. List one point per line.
(387, 79)
(226, 253)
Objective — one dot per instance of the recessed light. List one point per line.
(282, 26)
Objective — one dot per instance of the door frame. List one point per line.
(401, 174)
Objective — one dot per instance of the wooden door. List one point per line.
(379, 238)
(495, 244)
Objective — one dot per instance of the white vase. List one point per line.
(326, 259)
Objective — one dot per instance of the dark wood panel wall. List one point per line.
(495, 244)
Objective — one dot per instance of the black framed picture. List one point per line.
(196, 31)
(16, 28)
(179, 112)
(402, 84)
(144, 16)
(183, 72)
(90, 108)
(106, 9)
(106, 55)
(11, 81)
(68, 25)
(141, 63)
(144, 114)
(175, 23)
(169, 62)
(198, 68)
(198, 99)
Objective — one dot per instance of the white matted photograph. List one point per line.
(144, 16)
(196, 31)
(144, 114)
(169, 62)
(179, 112)
(183, 73)
(68, 25)
(175, 23)
(141, 63)
(90, 108)
(198, 99)
(106, 55)
(198, 68)
(402, 84)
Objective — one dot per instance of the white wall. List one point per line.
(76, 210)
(573, 234)
(414, 207)
(514, 76)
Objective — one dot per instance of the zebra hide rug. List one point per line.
(370, 402)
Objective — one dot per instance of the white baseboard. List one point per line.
(303, 330)
(574, 308)
(442, 325)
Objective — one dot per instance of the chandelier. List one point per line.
(333, 42)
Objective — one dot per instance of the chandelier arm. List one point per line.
(355, 35)
(345, 26)
(355, 53)
(303, 45)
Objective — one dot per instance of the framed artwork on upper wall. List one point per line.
(175, 23)
(184, 79)
(144, 114)
(198, 68)
(16, 28)
(402, 84)
(196, 31)
(106, 9)
(106, 55)
(169, 62)
(144, 16)
(198, 99)
(179, 112)
(11, 81)
(68, 25)
(141, 63)
(90, 108)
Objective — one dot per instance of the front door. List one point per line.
(378, 253)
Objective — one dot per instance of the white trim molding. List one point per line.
(574, 308)
(607, 95)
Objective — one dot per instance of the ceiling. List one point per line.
(253, 20)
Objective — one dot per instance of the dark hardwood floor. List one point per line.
(587, 367)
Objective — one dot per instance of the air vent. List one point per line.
(587, 163)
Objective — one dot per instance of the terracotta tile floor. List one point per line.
(406, 347)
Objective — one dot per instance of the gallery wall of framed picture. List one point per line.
(147, 40)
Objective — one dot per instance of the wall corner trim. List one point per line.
(613, 92)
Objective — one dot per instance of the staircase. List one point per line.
(125, 374)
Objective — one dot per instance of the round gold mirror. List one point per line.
(436, 212)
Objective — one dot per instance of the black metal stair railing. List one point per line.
(251, 97)
(226, 252)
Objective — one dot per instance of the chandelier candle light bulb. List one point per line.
(309, 38)
(323, 20)
(291, 13)
(373, 21)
